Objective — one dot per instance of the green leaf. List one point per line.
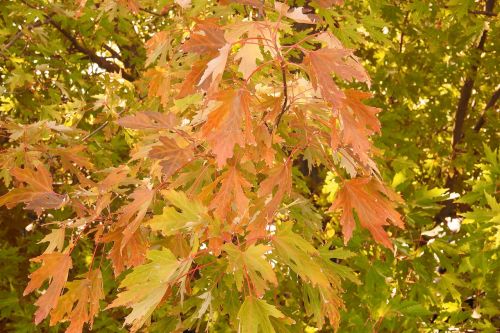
(254, 316)
(146, 285)
(252, 262)
(189, 214)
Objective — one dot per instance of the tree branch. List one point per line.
(466, 91)
(90, 54)
(491, 103)
(285, 105)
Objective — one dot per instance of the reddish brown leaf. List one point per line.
(374, 205)
(208, 37)
(55, 266)
(171, 155)
(38, 194)
(323, 62)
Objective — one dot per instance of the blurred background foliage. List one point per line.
(435, 73)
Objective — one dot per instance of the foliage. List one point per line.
(168, 158)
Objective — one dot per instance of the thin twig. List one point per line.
(285, 105)
(491, 103)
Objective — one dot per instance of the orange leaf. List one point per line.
(223, 126)
(86, 294)
(231, 193)
(55, 266)
(358, 122)
(159, 84)
(373, 203)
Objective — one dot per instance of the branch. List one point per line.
(285, 105)
(91, 55)
(483, 12)
(491, 103)
(20, 33)
(466, 91)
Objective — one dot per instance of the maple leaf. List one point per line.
(189, 214)
(157, 46)
(149, 120)
(254, 316)
(55, 266)
(190, 83)
(86, 294)
(296, 13)
(250, 52)
(215, 68)
(231, 192)
(38, 195)
(341, 61)
(373, 203)
(358, 122)
(125, 254)
(223, 128)
(171, 155)
(252, 263)
(159, 83)
(146, 285)
(306, 261)
(280, 178)
(208, 37)
(55, 239)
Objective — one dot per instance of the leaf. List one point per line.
(132, 214)
(252, 263)
(157, 46)
(55, 239)
(171, 156)
(231, 195)
(215, 68)
(321, 63)
(358, 122)
(159, 84)
(208, 37)
(223, 128)
(38, 195)
(80, 304)
(55, 266)
(305, 260)
(372, 203)
(296, 13)
(190, 83)
(254, 316)
(125, 254)
(149, 120)
(184, 214)
(147, 284)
